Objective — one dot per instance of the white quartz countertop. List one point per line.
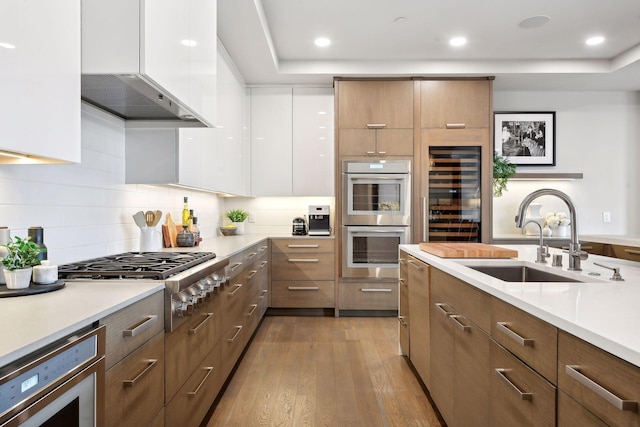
(599, 311)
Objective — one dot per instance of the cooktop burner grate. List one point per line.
(134, 265)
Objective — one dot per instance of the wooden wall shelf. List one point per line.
(547, 176)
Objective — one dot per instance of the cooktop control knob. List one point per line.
(194, 296)
(181, 306)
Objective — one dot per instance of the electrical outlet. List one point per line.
(252, 218)
(606, 216)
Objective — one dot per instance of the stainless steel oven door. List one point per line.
(372, 252)
(376, 196)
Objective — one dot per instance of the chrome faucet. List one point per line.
(576, 254)
(543, 252)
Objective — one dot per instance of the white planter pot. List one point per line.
(239, 227)
(18, 279)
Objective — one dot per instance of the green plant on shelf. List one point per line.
(237, 215)
(502, 171)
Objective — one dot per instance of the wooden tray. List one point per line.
(31, 290)
(467, 250)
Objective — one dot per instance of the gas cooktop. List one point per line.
(134, 265)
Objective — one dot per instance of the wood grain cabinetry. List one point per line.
(134, 377)
(573, 414)
(404, 321)
(303, 273)
(602, 384)
(455, 104)
(419, 306)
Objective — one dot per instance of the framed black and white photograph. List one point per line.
(526, 138)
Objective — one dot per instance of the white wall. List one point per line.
(598, 134)
(86, 209)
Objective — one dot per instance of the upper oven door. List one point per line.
(376, 198)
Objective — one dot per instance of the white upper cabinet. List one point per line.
(313, 147)
(170, 44)
(40, 81)
(292, 146)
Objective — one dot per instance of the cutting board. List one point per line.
(467, 250)
(173, 233)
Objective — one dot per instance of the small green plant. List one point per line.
(21, 253)
(502, 171)
(237, 215)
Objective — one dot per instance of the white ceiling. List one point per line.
(271, 41)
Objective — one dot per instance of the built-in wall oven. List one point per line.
(376, 216)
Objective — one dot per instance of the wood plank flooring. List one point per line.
(324, 371)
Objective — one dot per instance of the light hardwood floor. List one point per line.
(324, 371)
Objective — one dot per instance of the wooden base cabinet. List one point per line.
(404, 320)
(419, 333)
(573, 414)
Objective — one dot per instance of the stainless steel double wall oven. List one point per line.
(376, 216)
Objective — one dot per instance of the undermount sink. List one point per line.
(520, 273)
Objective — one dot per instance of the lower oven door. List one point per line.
(372, 252)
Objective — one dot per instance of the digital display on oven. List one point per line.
(29, 383)
(376, 166)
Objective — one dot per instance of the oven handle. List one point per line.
(394, 230)
(390, 177)
(132, 332)
(150, 364)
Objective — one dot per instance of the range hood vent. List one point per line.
(132, 97)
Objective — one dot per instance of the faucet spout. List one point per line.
(575, 252)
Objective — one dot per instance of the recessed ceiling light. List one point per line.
(322, 42)
(189, 43)
(594, 41)
(7, 45)
(534, 21)
(458, 41)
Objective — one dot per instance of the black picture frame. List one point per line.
(526, 138)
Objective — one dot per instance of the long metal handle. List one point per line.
(402, 321)
(631, 251)
(382, 153)
(263, 248)
(504, 328)
(415, 265)
(234, 266)
(303, 246)
(376, 290)
(303, 288)
(251, 255)
(303, 260)
(251, 274)
(254, 308)
(264, 292)
(209, 370)
(463, 327)
(456, 125)
(150, 364)
(624, 405)
(402, 282)
(233, 338)
(441, 307)
(238, 286)
(424, 219)
(195, 330)
(377, 231)
(132, 332)
(263, 263)
(376, 125)
(502, 373)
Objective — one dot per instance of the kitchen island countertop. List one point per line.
(599, 311)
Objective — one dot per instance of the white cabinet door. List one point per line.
(271, 139)
(202, 58)
(313, 146)
(40, 80)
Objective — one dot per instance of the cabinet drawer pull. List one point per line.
(382, 153)
(504, 328)
(624, 405)
(263, 263)
(264, 292)
(209, 370)
(150, 364)
(263, 248)
(252, 273)
(371, 153)
(234, 266)
(150, 320)
(253, 310)
(233, 338)
(238, 286)
(303, 288)
(376, 125)
(632, 251)
(401, 282)
(304, 260)
(459, 324)
(251, 255)
(456, 125)
(402, 321)
(523, 396)
(441, 306)
(303, 246)
(376, 290)
(195, 330)
(415, 265)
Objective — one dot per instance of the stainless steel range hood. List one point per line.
(133, 97)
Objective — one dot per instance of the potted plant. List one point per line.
(237, 217)
(18, 261)
(502, 171)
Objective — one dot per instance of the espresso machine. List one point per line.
(319, 224)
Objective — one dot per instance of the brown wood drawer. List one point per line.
(302, 245)
(303, 266)
(129, 328)
(188, 345)
(531, 339)
(232, 343)
(472, 302)
(511, 380)
(134, 387)
(303, 294)
(368, 296)
(193, 400)
(585, 370)
(594, 248)
(626, 252)
(572, 414)
(158, 420)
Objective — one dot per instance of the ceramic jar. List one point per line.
(45, 273)
(534, 214)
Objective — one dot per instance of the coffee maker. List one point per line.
(319, 224)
